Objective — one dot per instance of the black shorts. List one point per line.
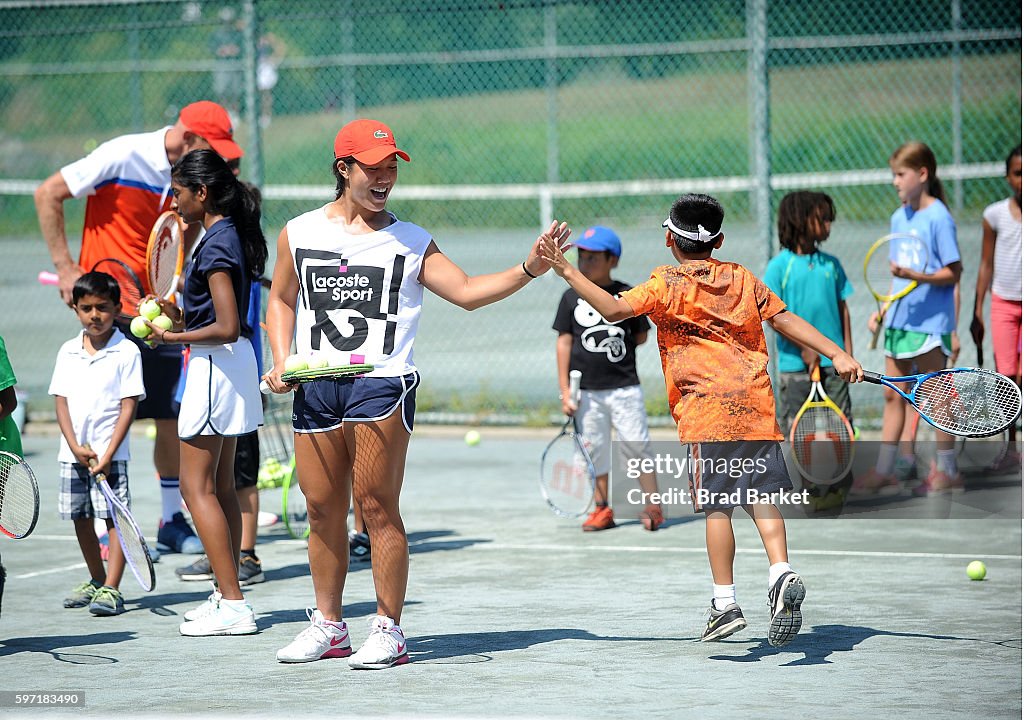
(247, 460)
(725, 475)
(161, 370)
(324, 405)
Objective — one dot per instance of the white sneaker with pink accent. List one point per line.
(384, 647)
(323, 639)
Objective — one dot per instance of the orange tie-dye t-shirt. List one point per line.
(713, 350)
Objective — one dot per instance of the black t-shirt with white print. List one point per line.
(604, 352)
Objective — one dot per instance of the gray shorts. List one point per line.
(80, 496)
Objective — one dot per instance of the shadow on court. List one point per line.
(433, 648)
(820, 642)
(50, 645)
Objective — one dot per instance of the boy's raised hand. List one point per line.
(557, 237)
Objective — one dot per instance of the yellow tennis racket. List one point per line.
(898, 249)
(821, 438)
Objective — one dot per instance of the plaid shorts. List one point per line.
(80, 496)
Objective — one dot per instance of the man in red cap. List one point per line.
(127, 183)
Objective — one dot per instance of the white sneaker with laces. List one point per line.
(384, 647)
(227, 618)
(321, 640)
(207, 606)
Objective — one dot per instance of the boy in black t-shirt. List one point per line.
(606, 355)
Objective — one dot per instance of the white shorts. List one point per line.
(619, 408)
(222, 392)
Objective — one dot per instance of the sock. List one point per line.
(946, 461)
(236, 605)
(724, 594)
(776, 571)
(886, 459)
(170, 497)
(907, 460)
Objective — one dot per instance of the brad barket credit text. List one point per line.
(706, 497)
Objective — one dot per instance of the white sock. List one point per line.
(236, 605)
(776, 571)
(886, 459)
(946, 460)
(724, 595)
(170, 497)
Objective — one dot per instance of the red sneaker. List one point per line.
(600, 519)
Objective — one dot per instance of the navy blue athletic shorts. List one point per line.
(324, 405)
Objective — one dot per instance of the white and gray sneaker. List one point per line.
(321, 640)
(784, 600)
(384, 647)
(227, 618)
(207, 606)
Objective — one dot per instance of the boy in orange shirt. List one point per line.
(715, 359)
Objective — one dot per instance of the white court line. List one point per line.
(76, 566)
(748, 551)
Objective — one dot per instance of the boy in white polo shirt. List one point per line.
(97, 385)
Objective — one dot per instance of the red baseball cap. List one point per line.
(368, 141)
(211, 122)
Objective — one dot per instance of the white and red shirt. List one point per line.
(127, 181)
(359, 295)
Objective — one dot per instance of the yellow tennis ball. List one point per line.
(317, 361)
(163, 322)
(150, 309)
(295, 363)
(472, 438)
(139, 328)
(976, 570)
(151, 432)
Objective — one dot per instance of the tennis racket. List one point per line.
(567, 475)
(136, 552)
(966, 402)
(165, 254)
(19, 497)
(327, 373)
(131, 286)
(899, 249)
(821, 438)
(293, 505)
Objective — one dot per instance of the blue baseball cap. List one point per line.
(600, 239)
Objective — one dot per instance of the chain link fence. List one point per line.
(515, 112)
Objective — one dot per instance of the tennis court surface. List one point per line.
(513, 613)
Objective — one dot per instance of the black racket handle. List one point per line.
(871, 377)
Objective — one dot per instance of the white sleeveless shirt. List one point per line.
(1006, 274)
(359, 295)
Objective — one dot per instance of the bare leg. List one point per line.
(772, 529)
(377, 472)
(721, 545)
(323, 463)
(115, 558)
(249, 504)
(208, 485)
(90, 546)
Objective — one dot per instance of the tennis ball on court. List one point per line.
(295, 363)
(151, 432)
(472, 438)
(139, 328)
(976, 570)
(150, 309)
(163, 322)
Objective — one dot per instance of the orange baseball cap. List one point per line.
(368, 141)
(211, 122)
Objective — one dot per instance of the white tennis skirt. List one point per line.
(222, 392)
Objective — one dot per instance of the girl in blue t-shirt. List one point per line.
(919, 328)
(221, 399)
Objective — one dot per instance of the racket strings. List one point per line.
(131, 291)
(822, 443)
(164, 268)
(135, 552)
(567, 475)
(18, 497)
(969, 403)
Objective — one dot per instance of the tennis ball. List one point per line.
(151, 432)
(295, 363)
(472, 438)
(163, 322)
(976, 570)
(317, 361)
(139, 328)
(150, 309)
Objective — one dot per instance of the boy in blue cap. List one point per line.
(605, 352)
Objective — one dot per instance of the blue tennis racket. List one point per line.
(967, 402)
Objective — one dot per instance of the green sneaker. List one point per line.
(82, 595)
(107, 601)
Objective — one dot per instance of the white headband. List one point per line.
(701, 236)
